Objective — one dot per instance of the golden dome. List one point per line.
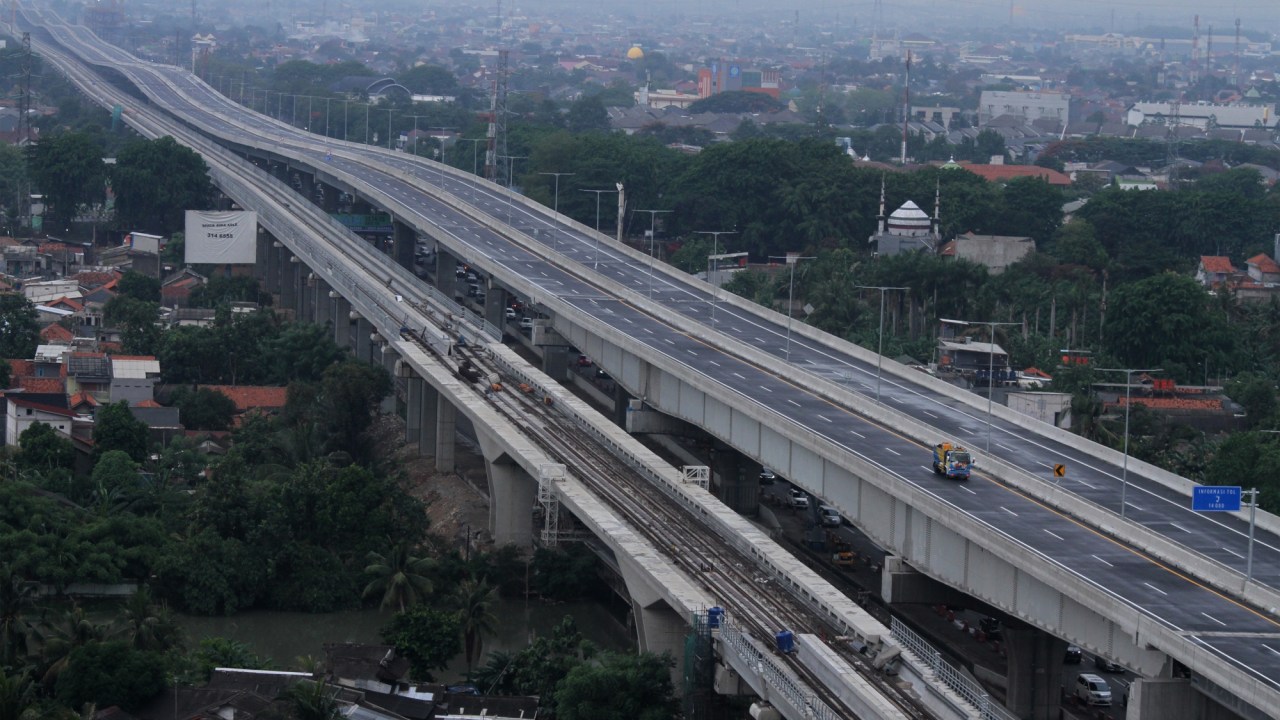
(635, 53)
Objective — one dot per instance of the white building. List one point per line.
(23, 412)
(1203, 115)
(1028, 106)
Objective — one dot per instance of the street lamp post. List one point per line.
(792, 260)
(475, 149)
(652, 234)
(880, 343)
(715, 244)
(991, 363)
(555, 228)
(1128, 383)
(511, 163)
(596, 264)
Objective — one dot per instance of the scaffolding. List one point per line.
(699, 670)
(548, 475)
(699, 475)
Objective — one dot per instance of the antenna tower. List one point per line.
(906, 108)
(24, 92)
(1195, 51)
(1208, 52)
(1235, 68)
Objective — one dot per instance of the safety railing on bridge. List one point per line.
(948, 674)
(772, 674)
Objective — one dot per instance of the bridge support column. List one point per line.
(412, 406)
(621, 404)
(427, 410)
(308, 189)
(1152, 698)
(271, 273)
(404, 242)
(387, 356)
(263, 255)
(341, 322)
(512, 493)
(901, 583)
(446, 269)
(495, 306)
(364, 329)
(323, 312)
(306, 295)
(659, 627)
(329, 203)
(446, 434)
(555, 361)
(289, 281)
(738, 489)
(1035, 672)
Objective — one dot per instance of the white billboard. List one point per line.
(222, 237)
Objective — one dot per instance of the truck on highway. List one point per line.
(953, 461)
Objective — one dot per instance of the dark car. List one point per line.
(584, 361)
(1073, 655)
(1106, 665)
(767, 476)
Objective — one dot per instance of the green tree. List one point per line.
(146, 625)
(115, 428)
(111, 673)
(350, 391)
(429, 638)
(737, 101)
(13, 181)
(314, 700)
(1164, 321)
(139, 287)
(429, 80)
(44, 448)
(203, 408)
(222, 290)
(19, 332)
(1257, 394)
(398, 577)
(587, 114)
(216, 652)
(137, 321)
(1250, 459)
(67, 167)
(211, 575)
(17, 596)
(159, 207)
(618, 687)
(475, 599)
(17, 693)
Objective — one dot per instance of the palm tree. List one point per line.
(474, 599)
(314, 701)
(146, 625)
(398, 577)
(17, 692)
(60, 638)
(16, 594)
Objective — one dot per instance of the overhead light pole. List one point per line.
(511, 163)
(475, 150)
(880, 343)
(791, 259)
(1128, 385)
(652, 234)
(555, 228)
(596, 263)
(991, 362)
(715, 244)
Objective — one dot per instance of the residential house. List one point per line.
(176, 289)
(23, 409)
(1214, 270)
(1005, 173)
(55, 334)
(253, 398)
(1263, 269)
(89, 372)
(43, 291)
(133, 378)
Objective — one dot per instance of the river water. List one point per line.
(286, 636)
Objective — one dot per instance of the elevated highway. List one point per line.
(1021, 544)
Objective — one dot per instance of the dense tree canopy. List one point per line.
(67, 167)
(158, 207)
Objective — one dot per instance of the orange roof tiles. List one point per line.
(248, 397)
(54, 334)
(73, 305)
(1264, 263)
(1001, 173)
(1216, 264)
(42, 385)
(1201, 404)
(18, 368)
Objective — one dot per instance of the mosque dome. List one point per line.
(909, 220)
(635, 53)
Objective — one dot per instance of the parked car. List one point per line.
(1106, 665)
(1092, 690)
(1073, 655)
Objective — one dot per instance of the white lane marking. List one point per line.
(1179, 527)
(855, 432)
(1002, 447)
(1135, 507)
(1104, 562)
(1091, 487)
(1214, 619)
(713, 362)
(895, 452)
(1273, 650)
(1233, 552)
(1153, 587)
(740, 376)
(793, 402)
(1056, 535)
(669, 341)
(926, 412)
(762, 387)
(966, 489)
(691, 352)
(824, 418)
(1009, 511)
(648, 331)
(967, 430)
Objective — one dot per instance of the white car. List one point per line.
(526, 323)
(1092, 690)
(511, 314)
(799, 499)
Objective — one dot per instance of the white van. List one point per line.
(1093, 690)
(830, 516)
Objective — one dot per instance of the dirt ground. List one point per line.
(456, 502)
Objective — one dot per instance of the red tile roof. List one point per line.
(17, 399)
(1264, 263)
(1217, 264)
(94, 279)
(42, 385)
(1002, 173)
(82, 398)
(18, 368)
(248, 397)
(73, 305)
(55, 334)
(147, 404)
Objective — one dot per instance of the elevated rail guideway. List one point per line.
(813, 419)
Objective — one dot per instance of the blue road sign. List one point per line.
(1215, 498)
